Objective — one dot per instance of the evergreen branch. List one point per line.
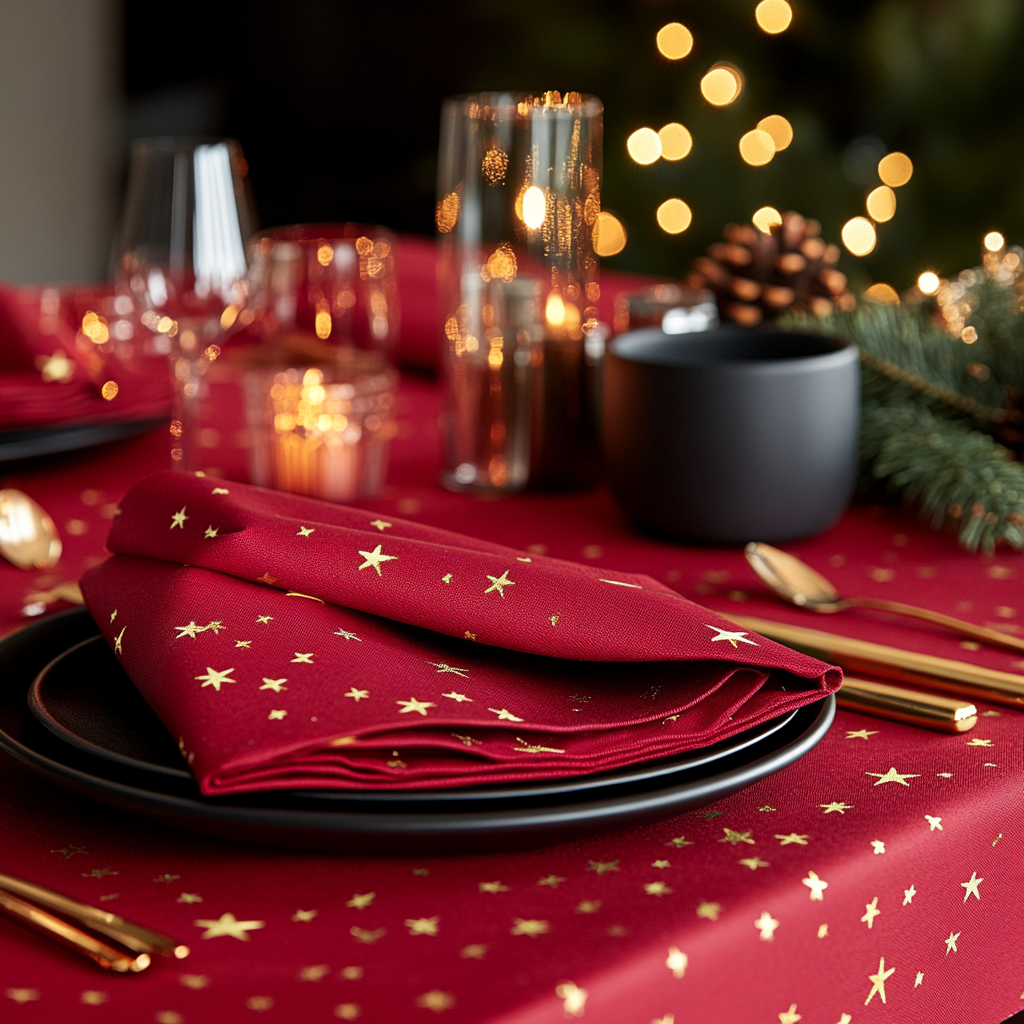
(954, 473)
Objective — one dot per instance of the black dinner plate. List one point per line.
(367, 824)
(85, 697)
(18, 445)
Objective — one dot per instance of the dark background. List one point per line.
(336, 105)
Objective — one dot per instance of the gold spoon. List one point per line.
(28, 538)
(800, 584)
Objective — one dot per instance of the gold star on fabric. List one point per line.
(220, 490)
(458, 697)
(118, 639)
(754, 863)
(733, 638)
(860, 734)
(790, 1016)
(554, 619)
(975, 742)
(505, 715)
(909, 894)
(314, 972)
(766, 924)
(228, 924)
(276, 716)
(844, 1018)
(555, 880)
(534, 748)
(347, 1011)
(816, 885)
(178, 519)
(165, 878)
(676, 961)
(211, 532)
(360, 901)
(574, 998)
(878, 846)
(709, 911)
(602, 867)
(919, 978)
(113, 615)
(837, 805)
(22, 995)
(792, 838)
(443, 667)
(99, 873)
(951, 943)
(499, 582)
(265, 619)
(944, 775)
(191, 630)
(822, 931)
(380, 524)
(893, 776)
(93, 998)
(656, 889)
(358, 695)
(474, 951)
(734, 837)
(374, 559)
(469, 636)
(346, 635)
(277, 685)
(367, 938)
(679, 842)
(971, 886)
(304, 915)
(532, 928)
(267, 578)
(934, 822)
(414, 705)
(422, 925)
(243, 643)
(878, 981)
(871, 911)
(304, 531)
(492, 887)
(302, 659)
(435, 1000)
(446, 578)
(587, 907)
(69, 851)
(189, 897)
(661, 864)
(214, 678)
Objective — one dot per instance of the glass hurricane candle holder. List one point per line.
(519, 194)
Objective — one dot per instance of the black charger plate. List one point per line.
(19, 445)
(364, 823)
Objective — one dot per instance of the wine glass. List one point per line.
(182, 257)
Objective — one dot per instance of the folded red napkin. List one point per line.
(52, 373)
(287, 642)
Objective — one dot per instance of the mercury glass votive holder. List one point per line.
(322, 431)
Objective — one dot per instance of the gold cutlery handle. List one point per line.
(68, 935)
(983, 633)
(947, 714)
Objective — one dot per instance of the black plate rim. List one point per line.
(36, 442)
(649, 771)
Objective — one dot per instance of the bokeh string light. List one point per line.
(676, 141)
(766, 218)
(881, 204)
(895, 169)
(994, 242)
(859, 236)
(779, 129)
(674, 41)
(722, 85)
(884, 293)
(609, 235)
(644, 146)
(928, 283)
(674, 216)
(773, 16)
(757, 148)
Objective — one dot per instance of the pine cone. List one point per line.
(756, 275)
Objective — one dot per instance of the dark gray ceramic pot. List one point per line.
(732, 435)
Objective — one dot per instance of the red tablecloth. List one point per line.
(911, 839)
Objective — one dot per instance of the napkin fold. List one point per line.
(291, 643)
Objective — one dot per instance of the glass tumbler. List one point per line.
(519, 194)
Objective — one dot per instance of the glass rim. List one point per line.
(588, 104)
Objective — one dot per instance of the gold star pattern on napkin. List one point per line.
(871, 911)
(791, 839)
(422, 925)
(836, 805)
(766, 925)
(498, 583)
(414, 705)
(374, 559)
(178, 519)
(492, 887)
(951, 943)
(214, 678)
(228, 925)
(893, 776)
(878, 981)
(734, 837)
(971, 887)
(816, 885)
(731, 637)
(529, 927)
(360, 901)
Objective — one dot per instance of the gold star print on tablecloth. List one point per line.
(305, 531)
(933, 822)
(971, 887)
(878, 846)
(412, 705)
(731, 637)
(602, 867)
(587, 907)
(836, 805)
(348, 636)
(553, 881)
(492, 887)
(358, 695)
(754, 863)
(860, 734)
(360, 901)
(530, 927)
(277, 685)
(193, 629)
(474, 951)
(766, 925)
(816, 885)
(435, 1000)
(661, 864)
(422, 925)
(214, 678)
(792, 839)
(908, 895)
(893, 776)
(302, 659)
(871, 911)
(680, 841)
(228, 925)
(315, 972)
(574, 998)
(708, 911)
(498, 583)
(211, 532)
(878, 981)
(69, 851)
(790, 1016)
(304, 916)
(367, 937)
(505, 715)
(178, 519)
(117, 641)
(734, 837)
(90, 997)
(380, 524)
(374, 559)
(676, 962)
(443, 667)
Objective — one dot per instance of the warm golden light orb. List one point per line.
(773, 16)
(766, 218)
(721, 85)
(895, 169)
(757, 148)
(859, 236)
(676, 141)
(644, 146)
(779, 129)
(994, 241)
(609, 235)
(535, 207)
(884, 293)
(674, 40)
(881, 204)
(674, 216)
(928, 283)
